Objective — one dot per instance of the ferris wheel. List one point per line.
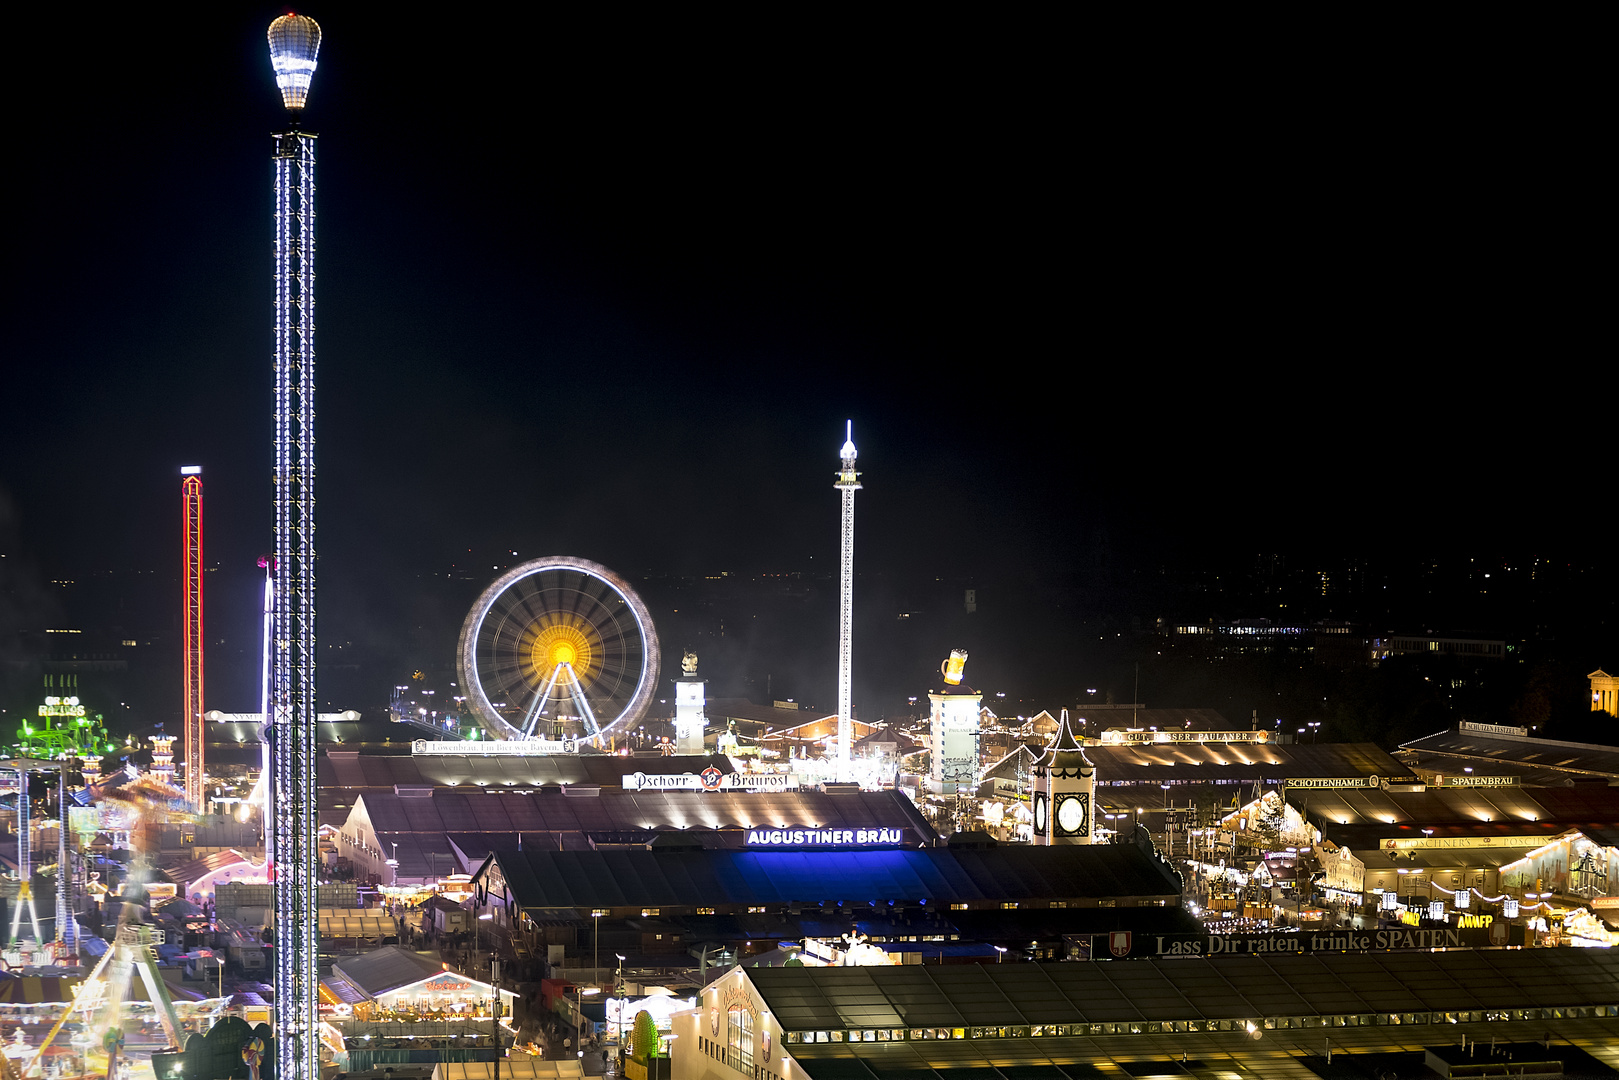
(558, 645)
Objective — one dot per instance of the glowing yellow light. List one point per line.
(567, 640)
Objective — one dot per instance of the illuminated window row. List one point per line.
(1157, 1027)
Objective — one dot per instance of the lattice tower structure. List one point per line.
(67, 925)
(191, 584)
(292, 731)
(847, 484)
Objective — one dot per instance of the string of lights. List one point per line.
(848, 483)
(293, 728)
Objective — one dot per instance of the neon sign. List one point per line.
(793, 838)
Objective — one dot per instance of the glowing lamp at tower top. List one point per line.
(294, 44)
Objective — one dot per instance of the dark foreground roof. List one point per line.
(1245, 987)
(557, 879)
(475, 820)
(503, 814)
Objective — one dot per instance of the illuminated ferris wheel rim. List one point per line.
(484, 710)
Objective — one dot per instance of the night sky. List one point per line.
(612, 288)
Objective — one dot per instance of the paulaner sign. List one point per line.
(794, 838)
(1115, 736)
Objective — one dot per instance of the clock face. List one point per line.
(1039, 812)
(1071, 815)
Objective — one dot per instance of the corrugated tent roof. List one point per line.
(385, 969)
(1243, 762)
(549, 879)
(1215, 988)
(1569, 758)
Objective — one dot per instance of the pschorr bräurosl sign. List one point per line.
(803, 838)
(710, 779)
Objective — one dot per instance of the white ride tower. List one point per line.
(293, 821)
(848, 483)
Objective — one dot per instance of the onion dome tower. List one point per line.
(1064, 790)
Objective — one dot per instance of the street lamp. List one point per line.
(596, 958)
(1000, 952)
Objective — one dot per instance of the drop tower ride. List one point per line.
(191, 557)
(848, 483)
(293, 728)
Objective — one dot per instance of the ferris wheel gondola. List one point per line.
(558, 646)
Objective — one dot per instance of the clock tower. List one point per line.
(1064, 790)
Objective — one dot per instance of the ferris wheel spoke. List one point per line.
(584, 704)
(538, 708)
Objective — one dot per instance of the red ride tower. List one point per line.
(191, 582)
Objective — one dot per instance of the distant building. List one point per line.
(1604, 692)
(1465, 648)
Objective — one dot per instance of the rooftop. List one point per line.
(1214, 988)
(1567, 758)
(561, 879)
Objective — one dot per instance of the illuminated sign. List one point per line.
(1493, 729)
(513, 748)
(1308, 942)
(690, 718)
(1474, 922)
(446, 982)
(57, 706)
(1430, 843)
(710, 779)
(954, 738)
(1115, 736)
(1332, 782)
(1477, 781)
(793, 838)
(214, 716)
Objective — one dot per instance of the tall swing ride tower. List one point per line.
(848, 483)
(292, 728)
(191, 545)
